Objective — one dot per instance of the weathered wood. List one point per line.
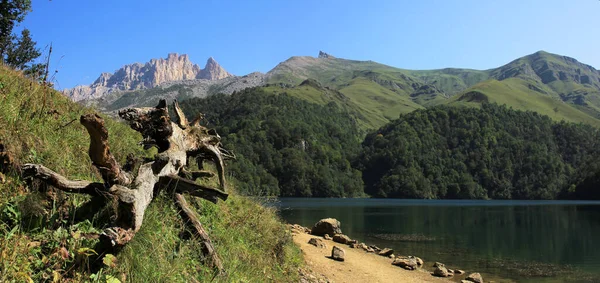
(181, 119)
(182, 185)
(207, 247)
(99, 151)
(177, 142)
(193, 175)
(58, 181)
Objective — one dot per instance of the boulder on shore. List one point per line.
(441, 271)
(475, 277)
(327, 237)
(341, 238)
(417, 259)
(405, 262)
(329, 226)
(338, 254)
(317, 242)
(386, 252)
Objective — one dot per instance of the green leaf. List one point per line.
(110, 260)
(87, 251)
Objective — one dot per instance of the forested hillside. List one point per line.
(285, 146)
(495, 152)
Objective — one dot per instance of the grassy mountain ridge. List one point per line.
(379, 88)
(378, 93)
(518, 94)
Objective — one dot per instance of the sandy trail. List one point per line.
(359, 266)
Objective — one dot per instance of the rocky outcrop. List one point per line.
(324, 55)
(151, 74)
(329, 226)
(213, 71)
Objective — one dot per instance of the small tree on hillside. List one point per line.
(16, 51)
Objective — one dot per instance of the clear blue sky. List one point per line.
(90, 37)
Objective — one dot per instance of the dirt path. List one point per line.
(359, 266)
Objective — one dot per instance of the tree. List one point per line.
(16, 51)
(22, 51)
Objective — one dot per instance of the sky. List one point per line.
(91, 37)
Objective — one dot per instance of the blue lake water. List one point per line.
(507, 241)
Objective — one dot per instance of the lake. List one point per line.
(506, 241)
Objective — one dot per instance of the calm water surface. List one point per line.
(523, 241)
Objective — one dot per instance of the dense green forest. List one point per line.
(285, 146)
(289, 147)
(493, 152)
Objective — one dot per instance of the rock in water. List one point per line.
(475, 277)
(341, 238)
(317, 242)
(338, 253)
(386, 252)
(406, 263)
(329, 226)
(459, 272)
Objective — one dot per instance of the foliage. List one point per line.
(16, 51)
(285, 146)
(495, 152)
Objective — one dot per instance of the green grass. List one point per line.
(516, 93)
(40, 240)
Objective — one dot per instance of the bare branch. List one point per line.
(100, 151)
(207, 247)
(181, 120)
(60, 182)
(181, 185)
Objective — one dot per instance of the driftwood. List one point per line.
(177, 142)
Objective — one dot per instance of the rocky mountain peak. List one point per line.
(151, 74)
(213, 71)
(324, 55)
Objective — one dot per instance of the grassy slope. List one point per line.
(36, 231)
(515, 92)
(376, 91)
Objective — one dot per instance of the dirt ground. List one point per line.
(359, 266)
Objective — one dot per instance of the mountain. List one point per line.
(554, 85)
(151, 74)
(180, 90)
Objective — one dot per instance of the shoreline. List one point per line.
(360, 265)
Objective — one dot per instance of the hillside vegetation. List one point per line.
(285, 146)
(492, 152)
(45, 234)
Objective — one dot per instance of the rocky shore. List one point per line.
(335, 257)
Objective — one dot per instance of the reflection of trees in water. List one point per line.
(495, 237)
(404, 237)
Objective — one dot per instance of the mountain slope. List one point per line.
(376, 93)
(542, 79)
(518, 93)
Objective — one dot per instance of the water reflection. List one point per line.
(522, 240)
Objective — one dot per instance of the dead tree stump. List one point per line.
(177, 142)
